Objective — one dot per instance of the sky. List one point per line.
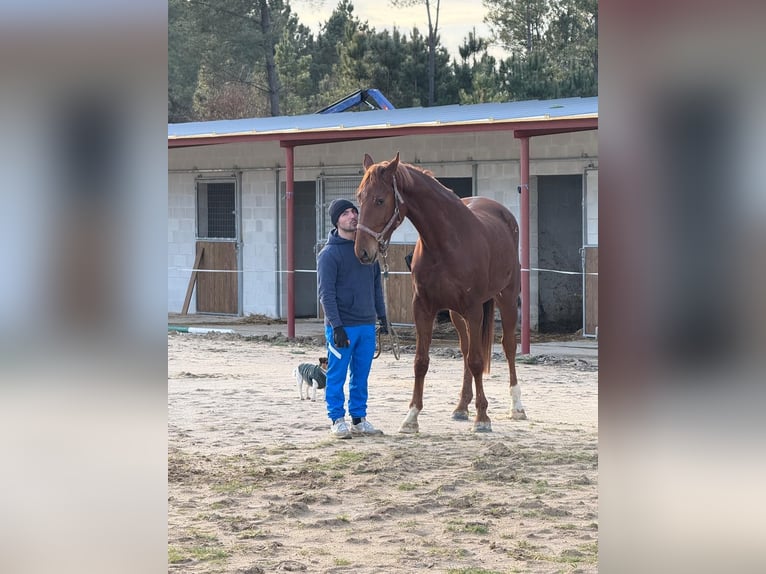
(456, 18)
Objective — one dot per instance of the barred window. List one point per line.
(216, 210)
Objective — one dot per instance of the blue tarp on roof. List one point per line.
(400, 117)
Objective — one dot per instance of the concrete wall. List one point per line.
(182, 213)
(493, 157)
(591, 206)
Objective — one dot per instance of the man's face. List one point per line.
(348, 220)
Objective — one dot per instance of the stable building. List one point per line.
(247, 202)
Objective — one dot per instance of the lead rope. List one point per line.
(393, 337)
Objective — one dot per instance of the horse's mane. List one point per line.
(405, 171)
(406, 177)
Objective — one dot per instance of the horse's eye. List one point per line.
(379, 201)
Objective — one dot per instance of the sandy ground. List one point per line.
(256, 483)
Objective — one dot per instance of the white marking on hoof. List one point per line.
(409, 428)
(518, 415)
(517, 408)
(482, 426)
(410, 422)
(460, 415)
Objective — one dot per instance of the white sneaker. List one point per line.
(365, 428)
(340, 429)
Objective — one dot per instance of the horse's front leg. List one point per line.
(466, 392)
(424, 326)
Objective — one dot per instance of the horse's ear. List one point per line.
(393, 164)
(367, 162)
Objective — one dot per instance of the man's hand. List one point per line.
(383, 325)
(339, 337)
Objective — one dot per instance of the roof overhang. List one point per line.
(528, 127)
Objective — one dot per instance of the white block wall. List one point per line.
(181, 238)
(259, 226)
(591, 206)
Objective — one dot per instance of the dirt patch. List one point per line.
(256, 484)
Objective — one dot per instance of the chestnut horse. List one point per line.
(465, 260)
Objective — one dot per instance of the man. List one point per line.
(352, 298)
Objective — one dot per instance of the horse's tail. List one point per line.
(488, 332)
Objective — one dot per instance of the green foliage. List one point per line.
(249, 58)
(553, 46)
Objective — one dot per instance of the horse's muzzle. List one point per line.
(365, 257)
(365, 251)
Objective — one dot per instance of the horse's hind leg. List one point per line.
(466, 392)
(506, 301)
(477, 362)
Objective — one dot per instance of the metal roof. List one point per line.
(390, 122)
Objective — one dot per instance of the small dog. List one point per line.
(311, 375)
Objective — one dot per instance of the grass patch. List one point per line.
(472, 571)
(469, 527)
(583, 554)
(207, 553)
(406, 486)
(280, 448)
(532, 514)
(342, 562)
(342, 460)
(251, 533)
(201, 536)
(175, 555)
(201, 553)
(444, 552)
(540, 487)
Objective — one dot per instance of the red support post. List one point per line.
(524, 240)
(290, 204)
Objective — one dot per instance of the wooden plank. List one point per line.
(399, 289)
(218, 292)
(192, 281)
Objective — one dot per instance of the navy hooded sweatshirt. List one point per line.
(351, 293)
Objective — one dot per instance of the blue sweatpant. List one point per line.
(356, 360)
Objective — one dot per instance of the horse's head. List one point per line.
(381, 208)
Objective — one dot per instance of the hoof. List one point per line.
(518, 415)
(484, 426)
(460, 415)
(409, 428)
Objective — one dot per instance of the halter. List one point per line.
(378, 235)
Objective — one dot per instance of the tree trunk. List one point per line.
(433, 30)
(271, 68)
(431, 67)
(595, 49)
